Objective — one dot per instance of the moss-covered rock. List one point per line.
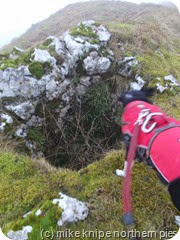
(17, 51)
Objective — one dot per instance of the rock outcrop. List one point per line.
(58, 74)
(46, 74)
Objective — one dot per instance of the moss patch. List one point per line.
(9, 63)
(47, 220)
(47, 42)
(83, 30)
(23, 189)
(36, 69)
(23, 59)
(94, 41)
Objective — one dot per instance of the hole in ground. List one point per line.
(89, 131)
(83, 140)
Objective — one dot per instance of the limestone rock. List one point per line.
(31, 145)
(20, 234)
(172, 79)
(21, 132)
(138, 85)
(126, 65)
(73, 210)
(95, 64)
(169, 82)
(161, 88)
(103, 34)
(4, 120)
(88, 23)
(19, 83)
(35, 121)
(72, 48)
(54, 88)
(17, 50)
(22, 110)
(43, 56)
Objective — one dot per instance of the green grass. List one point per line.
(120, 26)
(35, 134)
(103, 51)
(168, 103)
(154, 65)
(97, 101)
(24, 188)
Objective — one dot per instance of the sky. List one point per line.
(16, 16)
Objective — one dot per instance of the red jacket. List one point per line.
(162, 143)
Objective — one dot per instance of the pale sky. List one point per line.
(16, 16)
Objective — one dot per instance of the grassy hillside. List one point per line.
(152, 35)
(27, 186)
(101, 11)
